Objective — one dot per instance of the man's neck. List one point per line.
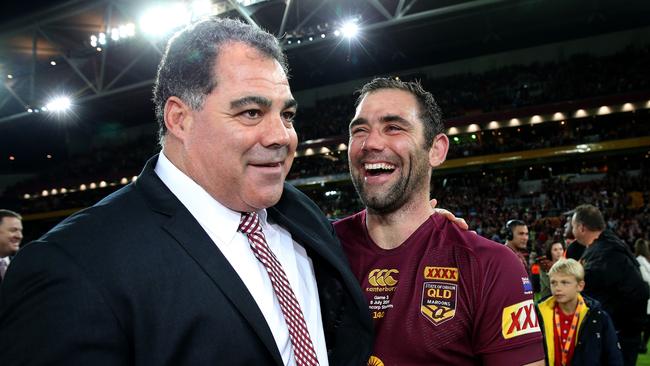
(390, 230)
(591, 237)
(513, 247)
(569, 308)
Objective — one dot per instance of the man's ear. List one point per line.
(178, 117)
(438, 151)
(581, 286)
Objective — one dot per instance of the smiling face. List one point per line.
(390, 163)
(239, 147)
(11, 234)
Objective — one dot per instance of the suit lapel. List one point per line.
(313, 242)
(184, 228)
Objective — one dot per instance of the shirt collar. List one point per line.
(218, 220)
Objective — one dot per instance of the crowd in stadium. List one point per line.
(504, 89)
(486, 214)
(314, 276)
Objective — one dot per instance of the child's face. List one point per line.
(565, 288)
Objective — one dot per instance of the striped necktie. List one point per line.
(303, 349)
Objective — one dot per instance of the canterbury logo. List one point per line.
(382, 277)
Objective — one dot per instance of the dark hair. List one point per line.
(510, 228)
(8, 213)
(549, 245)
(187, 66)
(641, 248)
(590, 216)
(430, 113)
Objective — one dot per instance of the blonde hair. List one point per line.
(568, 267)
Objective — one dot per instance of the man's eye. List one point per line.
(252, 113)
(289, 116)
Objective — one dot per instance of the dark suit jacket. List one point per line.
(135, 280)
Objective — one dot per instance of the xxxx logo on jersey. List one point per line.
(441, 273)
(519, 319)
(375, 361)
(382, 277)
(438, 301)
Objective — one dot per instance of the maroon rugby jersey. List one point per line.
(444, 297)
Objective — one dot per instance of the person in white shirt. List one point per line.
(11, 235)
(172, 269)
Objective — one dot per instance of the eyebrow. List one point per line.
(290, 103)
(386, 118)
(252, 99)
(259, 100)
(358, 121)
(393, 118)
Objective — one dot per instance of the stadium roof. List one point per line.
(45, 47)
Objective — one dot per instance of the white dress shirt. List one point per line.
(221, 224)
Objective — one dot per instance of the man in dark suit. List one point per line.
(165, 271)
(11, 234)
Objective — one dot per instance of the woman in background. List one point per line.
(553, 252)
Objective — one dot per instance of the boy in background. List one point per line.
(577, 331)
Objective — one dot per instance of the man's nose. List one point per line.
(276, 132)
(373, 141)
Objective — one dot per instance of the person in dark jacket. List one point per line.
(577, 331)
(612, 277)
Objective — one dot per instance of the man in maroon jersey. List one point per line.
(438, 295)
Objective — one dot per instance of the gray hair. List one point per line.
(186, 68)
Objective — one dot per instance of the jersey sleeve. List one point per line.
(506, 327)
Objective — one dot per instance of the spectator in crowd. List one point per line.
(517, 240)
(574, 249)
(577, 331)
(11, 234)
(642, 253)
(612, 277)
(405, 257)
(209, 257)
(552, 253)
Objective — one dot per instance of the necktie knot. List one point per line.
(3, 268)
(249, 223)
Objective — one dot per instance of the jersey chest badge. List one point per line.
(439, 297)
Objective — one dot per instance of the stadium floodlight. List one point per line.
(127, 30)
(162, 19)
(58, 104)
(115, 34)
(349, 29)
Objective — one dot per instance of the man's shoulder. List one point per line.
(352, 221)
(119, 212)
(480, 246)
(608, 246)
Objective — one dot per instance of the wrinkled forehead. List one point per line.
(388, 102)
